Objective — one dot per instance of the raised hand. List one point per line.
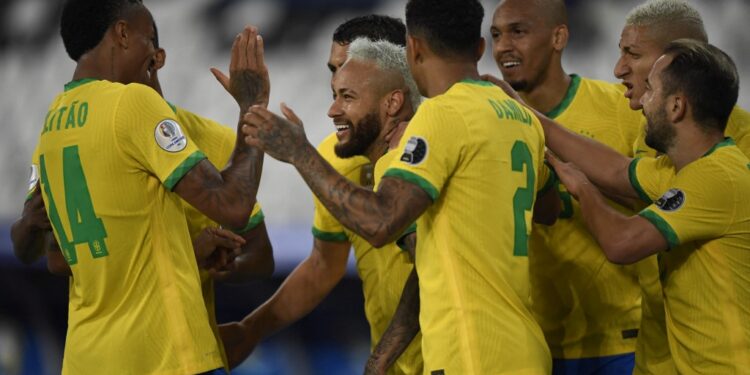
(34, 212)
(248, 80)
(284, 140)
(216, 248)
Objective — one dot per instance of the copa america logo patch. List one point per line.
(672, 200)
(169, 136)
(415, 151)
(33, 177)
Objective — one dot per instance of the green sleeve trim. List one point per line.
(551, 181)
(329, 236)
(476, 82)
(29, 195)
(664, 228)
(414, 179)
(253, 222)
(174, 107)
(634, 181)
(575, 82)
(183, 169)
(400, 241)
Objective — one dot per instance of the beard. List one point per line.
(363, 135)
(660, 134)
(519, 86)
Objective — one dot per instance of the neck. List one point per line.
(550, 92)
(444, 74)
(692, 145)
(98, 63)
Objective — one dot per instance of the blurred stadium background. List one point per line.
(197, 35)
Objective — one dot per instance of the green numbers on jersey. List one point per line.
(523, 200)
(85, 227)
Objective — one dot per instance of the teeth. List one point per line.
(511, 64)
(342, 127)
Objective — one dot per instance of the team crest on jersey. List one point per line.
(415, 151)
(33, 177)
(169, 136)
(672, 200)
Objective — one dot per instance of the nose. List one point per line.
(335, 109)
(500, 45)
(622, 68)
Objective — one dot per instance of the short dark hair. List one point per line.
(373, 27)
(84, 22)
(708, 78)
(450, 27)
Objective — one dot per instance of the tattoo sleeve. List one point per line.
(226, 197)
(378, 217)
(400, 333)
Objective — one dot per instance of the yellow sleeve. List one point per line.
(699, 205)
(430, 148)
(647, 176)
(738, 128)
(147, 132)
(215, 140)
(256, 217)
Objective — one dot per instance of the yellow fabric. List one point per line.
(461, 148)
(383, 270)
(652, 353)
(706, 273)
(135, 304)
(217, 143)
(586, 306)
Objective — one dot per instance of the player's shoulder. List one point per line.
(601, 90)
(345, 166)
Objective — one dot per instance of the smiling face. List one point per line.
(660, 132)
(638, 52)
(356, 110)
(522, 43)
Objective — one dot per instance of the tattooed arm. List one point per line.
(29, 233)
(401, 331)
(378, 217)
(227, 197)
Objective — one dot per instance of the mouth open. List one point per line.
(342, 130)
(509, 66)
(628, 89)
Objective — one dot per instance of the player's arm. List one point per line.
(624, 239)
(56, 263)
(548, 204)
(228, 197)
(300, 293)
(401, 331)
(29, 234)
(604, 166)
(255, 260)
(378, 217)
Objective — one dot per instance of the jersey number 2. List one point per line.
(523, 200)
(85, 227)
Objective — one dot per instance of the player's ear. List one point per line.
(414, 48)
(560, 37)
(394, 102)
(160, 58)
(677, 107)
(480, 48)
(120, 33)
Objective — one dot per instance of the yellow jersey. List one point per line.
(479, 155)
(703, 213)
(217, 143)
(383, 270)
(586, 306)
(109, 156)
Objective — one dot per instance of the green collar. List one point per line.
(73, 84)
(575, 82)
(728, 141)
(476, 82)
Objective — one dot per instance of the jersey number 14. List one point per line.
(85, 227)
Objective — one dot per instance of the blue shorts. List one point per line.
(218, 371)
(621, 364)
